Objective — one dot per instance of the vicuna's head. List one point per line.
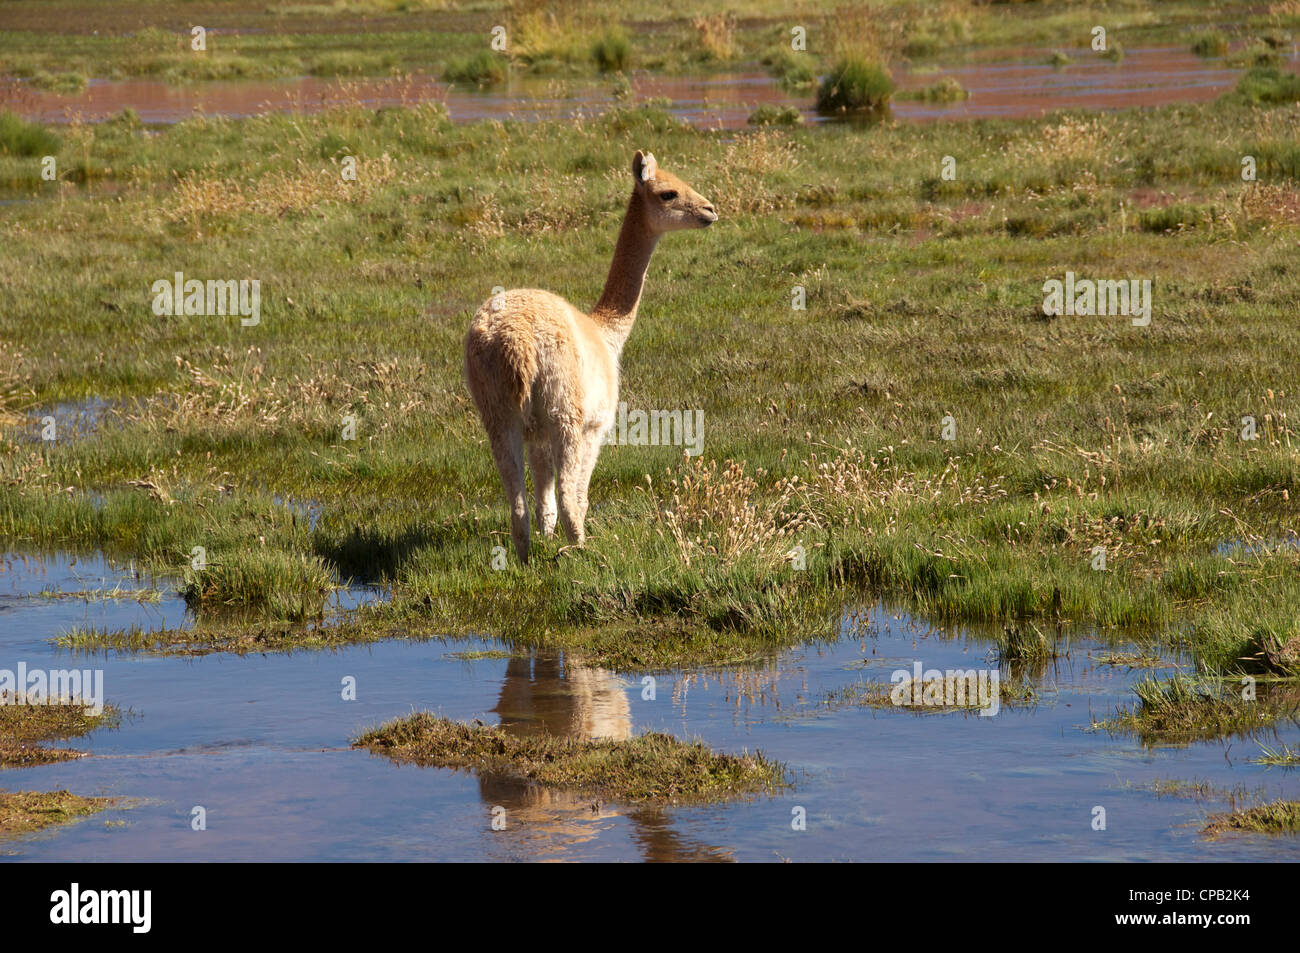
(670, 203)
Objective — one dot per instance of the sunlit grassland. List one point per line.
(923, 301)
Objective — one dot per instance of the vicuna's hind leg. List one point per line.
(508, 451)
(539, 459)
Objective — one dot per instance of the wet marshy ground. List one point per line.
(1007, 83)
(261, 743)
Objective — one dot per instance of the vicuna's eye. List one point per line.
(668, 196)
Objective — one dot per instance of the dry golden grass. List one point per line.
(717, 35)
(16, 393)
(1271, 205)
(849, 486)
(742, 179)
(200, 197)
(717, 512)
(1074, 137)
(230, 394)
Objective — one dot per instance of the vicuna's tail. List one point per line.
(519, 356)
(500, 362)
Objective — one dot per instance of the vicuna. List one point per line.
(544, 373)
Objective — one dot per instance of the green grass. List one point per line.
(58, 82)
(648, 768)
(24, 728)
(947, 90)
(291, 586)
(351, 64)
(1277, 817)
(612, 51)
(855, 85)
(884, 696)
(1256, 55)
(23, 812)
(793, 69)
(484, 68)
(1267, 86)
(22, 139)
(371, 37)
(923, 300)
(1182, 709)
(1114, 52)
(769, 115)
(1209, 44)
(1282, 757)
(1025, 644)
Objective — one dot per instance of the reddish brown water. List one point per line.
(1002, 83)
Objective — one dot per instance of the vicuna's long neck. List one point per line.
(615, 312)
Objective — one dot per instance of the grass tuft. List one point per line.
(22, 812)
(1183, 709)
(650, 767)
(1268, 86)
(855, 86)
(24, 726)
(1279, 817)
(1210, 44)
(484, 68)
(612, 51)
(25, 139)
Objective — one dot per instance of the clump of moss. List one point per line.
(1210, 44)
(59, 82)
(351, 64)
(792, 69)
(1254, 54)
(855, 85)
(651, 767)
(22, 812)
(25, 139)
(611, 51)
(1268, 86)
(484, 68)
(947, 90)
(24, 726)
(769, 115)
(1279, 817)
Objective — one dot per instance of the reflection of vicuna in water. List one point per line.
(546, 695)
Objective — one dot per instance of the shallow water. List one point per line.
(261, 742)
(1003, 83)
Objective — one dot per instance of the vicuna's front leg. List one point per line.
(578, 462)
(508, 451)
(570, 457)
(590, 453)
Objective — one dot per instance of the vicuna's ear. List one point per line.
(644, 166)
